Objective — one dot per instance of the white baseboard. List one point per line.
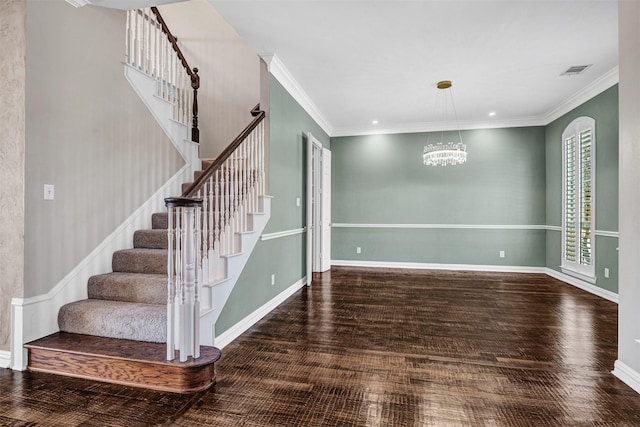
(5, 359)
(239, 328)
(433, 266)
(585, 286)
(627, 375)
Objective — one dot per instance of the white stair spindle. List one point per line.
(171, 290)
(195, 314)
(204, 278)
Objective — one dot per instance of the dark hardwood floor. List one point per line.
(369, 347)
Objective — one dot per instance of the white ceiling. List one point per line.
(359, 60)
(121, 4)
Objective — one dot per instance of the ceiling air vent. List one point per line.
(575, 70)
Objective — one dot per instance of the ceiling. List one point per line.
(121, 4)
(349, 62)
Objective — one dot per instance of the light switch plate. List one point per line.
(48, 192)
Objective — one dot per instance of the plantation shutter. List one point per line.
(585, 197)
(570, 200)
(578, 197)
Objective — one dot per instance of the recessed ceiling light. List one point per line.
(374, 122)
(491, 114)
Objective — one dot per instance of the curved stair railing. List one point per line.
(203, 228)
(153, 49)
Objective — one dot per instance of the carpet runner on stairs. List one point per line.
(129, 303)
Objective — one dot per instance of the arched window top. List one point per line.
(578, 123)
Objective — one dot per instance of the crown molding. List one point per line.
(121, 4)
(284, 76)
(78, 3)
(286, 79)
(598, 86)
(437, 127)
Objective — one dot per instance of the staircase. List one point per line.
(119, 334)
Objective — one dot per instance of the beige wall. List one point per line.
(12, 140)
(629, 176)
(87, 133)
(229, 71)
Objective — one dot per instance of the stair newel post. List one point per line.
(187, 261)
(195, 85)
(171, 288)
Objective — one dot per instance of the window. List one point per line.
(578, 198)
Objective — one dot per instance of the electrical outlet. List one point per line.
(273, 279)
(298, 201)
(606, 273)
(358, 250)
(48, 192)
(501, 254)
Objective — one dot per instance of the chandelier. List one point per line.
(449, 153)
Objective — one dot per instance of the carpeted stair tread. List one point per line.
(150, 239)
(129, 287)
(148, 261)
(113, 319)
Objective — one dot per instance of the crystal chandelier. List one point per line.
(449, 153)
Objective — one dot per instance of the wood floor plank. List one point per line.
(369, 347)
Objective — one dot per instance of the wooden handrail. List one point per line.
(258, 115)
(193, 73)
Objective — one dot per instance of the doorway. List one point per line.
(318, 207)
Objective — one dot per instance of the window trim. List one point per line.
(574, 129)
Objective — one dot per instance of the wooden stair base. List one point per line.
(132, 363)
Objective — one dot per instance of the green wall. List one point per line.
(284, 256)
(512, 178)
(604, 109)
(380, 179)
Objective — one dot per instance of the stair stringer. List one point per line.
(221, 290)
